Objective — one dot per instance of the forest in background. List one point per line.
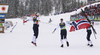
(18, 8)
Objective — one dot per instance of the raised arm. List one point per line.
(31, 19)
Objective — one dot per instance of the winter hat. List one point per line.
(37, 14)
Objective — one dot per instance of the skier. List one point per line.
(89, 32)
(63, 33)
(35, 20)
(50, 20)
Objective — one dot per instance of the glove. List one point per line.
(24, 21)
(70, 23)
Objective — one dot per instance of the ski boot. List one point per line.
(33, 43)
(67, 44)
(62, 45)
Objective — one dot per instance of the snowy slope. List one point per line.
(19, 41)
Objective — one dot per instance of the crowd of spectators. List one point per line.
(93, 10)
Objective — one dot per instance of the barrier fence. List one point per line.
(92, 18)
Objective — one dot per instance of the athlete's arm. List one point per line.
(31, 19)
(56, 28)
(28, 20)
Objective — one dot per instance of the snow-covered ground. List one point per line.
(19, 41)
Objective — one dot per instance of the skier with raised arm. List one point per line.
(63, 33)
(35, 20)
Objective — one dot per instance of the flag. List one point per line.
(79, 24)
(4, 8)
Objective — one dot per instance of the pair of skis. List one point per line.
(13, 27)
(94, 31)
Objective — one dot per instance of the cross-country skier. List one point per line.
(63, 33)
(35, 20)
(89, 32)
